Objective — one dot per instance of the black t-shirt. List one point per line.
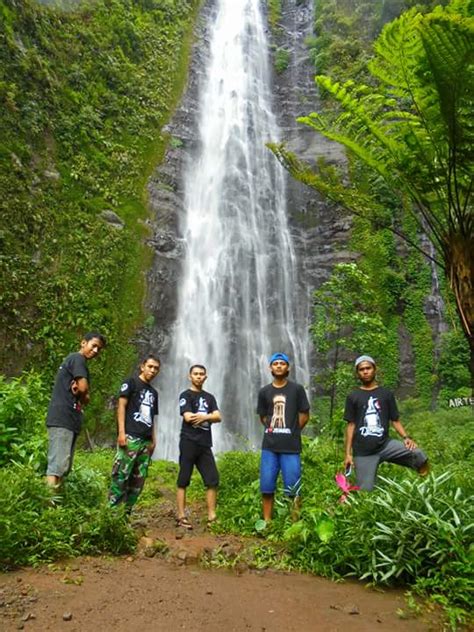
(280, 407)
(197, 402)
(371, 411)
(142, 406)
(64, 409)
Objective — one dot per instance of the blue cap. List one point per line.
(279, 356)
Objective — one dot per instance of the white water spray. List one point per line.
(238, 299)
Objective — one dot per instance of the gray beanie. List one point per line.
(364, 358)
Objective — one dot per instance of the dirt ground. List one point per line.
(164, 586)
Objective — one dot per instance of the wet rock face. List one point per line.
(318, 231)
(166, 199)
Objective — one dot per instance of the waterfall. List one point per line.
(238, 297)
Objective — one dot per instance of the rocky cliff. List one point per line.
(318, 232)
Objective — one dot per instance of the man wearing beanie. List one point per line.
(368, 412)
(283, 408)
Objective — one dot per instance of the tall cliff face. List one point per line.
(320, 231)
(166, 199)
(319, 234)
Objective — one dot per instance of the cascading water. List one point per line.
(238, 296)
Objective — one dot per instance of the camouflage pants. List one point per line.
(129, 472)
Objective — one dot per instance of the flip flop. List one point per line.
(210, 522)
(184, 523)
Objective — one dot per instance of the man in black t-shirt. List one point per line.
(283, 408)
(369, 411)
(70, 394)
(137, 409)
(199, 410)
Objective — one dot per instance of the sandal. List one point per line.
(184, 523)
(210, 522)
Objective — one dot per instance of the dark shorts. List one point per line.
(62, 442)
(191, 454)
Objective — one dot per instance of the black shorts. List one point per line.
(192, 454)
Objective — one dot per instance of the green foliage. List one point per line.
(23, 403)
(84, 95)
(453, 367)
(274, 14)
(411, 131)
(282, 59)
(34, 527)
(346, 322)
(343, 35)
(447, 436)
(239, 494)
(418, 286)
(409, 531)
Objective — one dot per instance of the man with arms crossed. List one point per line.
(199, 410)
(283, 408)
(70, 395)
(368, 412)
(137, 409)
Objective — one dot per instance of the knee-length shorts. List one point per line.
(192, 454)
(272, 463)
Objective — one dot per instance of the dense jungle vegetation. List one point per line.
(85, 93)
(399, 112)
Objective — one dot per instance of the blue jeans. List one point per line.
(272, 463)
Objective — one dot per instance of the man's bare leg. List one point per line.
(211, 500)
(181, 502)
(53, 481)
(267, 506)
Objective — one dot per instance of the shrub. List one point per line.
(282, 59)
(408, 532)
(23, 403)
(239, 495)
(33, 529)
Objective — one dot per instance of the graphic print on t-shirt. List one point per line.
(278, 423)
(203, 407)
(145, 412)
(278, 417)
(371, 426)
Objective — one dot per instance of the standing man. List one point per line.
(199, 410)
(283, 408)
(70, 395)
(368, 412)
(137, 409)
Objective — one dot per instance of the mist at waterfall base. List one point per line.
(238, 298)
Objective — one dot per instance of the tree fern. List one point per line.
(415, 131)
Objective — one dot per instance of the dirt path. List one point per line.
(163, 587)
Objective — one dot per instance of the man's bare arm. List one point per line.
(407, 440)
(350, 429)
(80, 388)
(303, 419)
(121, 408)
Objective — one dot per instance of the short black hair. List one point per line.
(150, 356)
(94, 334)
(198, 366)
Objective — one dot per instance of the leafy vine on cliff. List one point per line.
(84, 94)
